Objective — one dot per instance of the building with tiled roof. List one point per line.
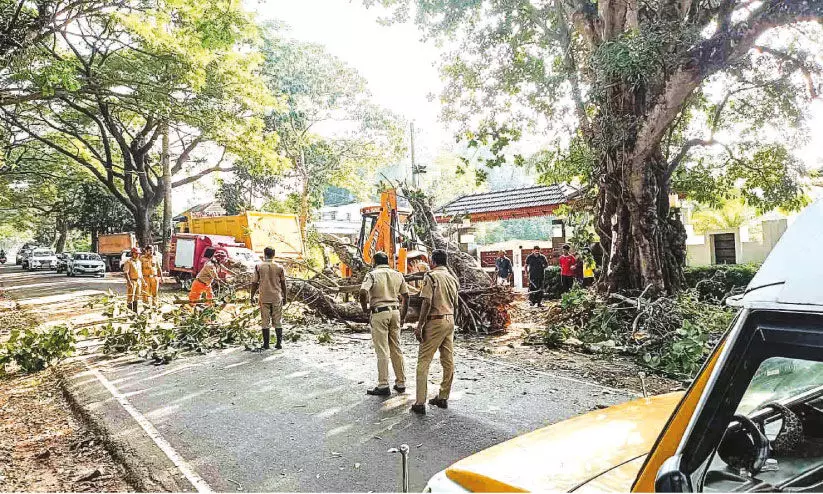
(523, 202)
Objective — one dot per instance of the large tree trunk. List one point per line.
(62, 236)
(142, 220)
(317, 297)
(643, 241)
(464, 266)
(348, 255)
(167, 212)
(95, 235)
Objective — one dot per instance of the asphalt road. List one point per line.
(299, 419)
(55, 297)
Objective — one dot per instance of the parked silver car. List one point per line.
(85, 263)
(41, 259)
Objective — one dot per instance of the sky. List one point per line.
(400, 68)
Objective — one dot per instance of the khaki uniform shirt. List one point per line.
(209, 273)
(269, 277)
(151, 266)
(133, 269)
(385, 285)
(440, 288)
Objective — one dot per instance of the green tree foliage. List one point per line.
(448, 179)
(520, 229)
(30, 26)
(245, 188)
(330, 132)
(733, 213)
(641, 99)
(47, 193)
(119, 79)
(32, 350)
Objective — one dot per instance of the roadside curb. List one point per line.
(147, 467)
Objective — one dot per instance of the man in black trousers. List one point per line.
(536, 265)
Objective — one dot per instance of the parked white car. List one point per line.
(85, 263)
(41, 259)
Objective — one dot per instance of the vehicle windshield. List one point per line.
(43, 253)
(779, 378)
(86, 257)
(241, 255)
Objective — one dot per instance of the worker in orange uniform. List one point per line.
(210, 272)
(152, 275)
(134, 278)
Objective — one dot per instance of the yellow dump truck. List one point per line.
(256, 229)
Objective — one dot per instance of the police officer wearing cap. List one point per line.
(133, 271)
(384, 294)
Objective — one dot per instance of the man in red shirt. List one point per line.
(567, 266)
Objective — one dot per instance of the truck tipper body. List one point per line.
(256, 230)
(111, 246)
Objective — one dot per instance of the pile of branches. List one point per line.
(672, 335)
(482, 308)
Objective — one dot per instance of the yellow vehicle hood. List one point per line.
(567, 455)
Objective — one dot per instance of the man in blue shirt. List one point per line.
(505, 273)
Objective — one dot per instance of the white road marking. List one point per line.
(153, 433)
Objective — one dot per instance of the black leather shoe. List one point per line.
(400, 389)
(439, 402)
(379, 392)
(419, 409)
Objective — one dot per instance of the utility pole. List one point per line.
(411, 145)
(416, 170)
(164, 159)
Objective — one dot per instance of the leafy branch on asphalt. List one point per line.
(163, 333)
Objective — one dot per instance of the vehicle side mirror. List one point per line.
(670, 478)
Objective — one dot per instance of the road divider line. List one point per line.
(178, 461)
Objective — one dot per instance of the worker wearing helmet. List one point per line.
(210, 272)
(133, 272)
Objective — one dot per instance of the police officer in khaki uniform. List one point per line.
(435, 330)
(133, 272)
(385, 295)
(270, 282)
(152, 275)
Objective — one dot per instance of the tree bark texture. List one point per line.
(62, 236)
(167, 211)
(464, 266)
(142, 221)
(643, 241)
